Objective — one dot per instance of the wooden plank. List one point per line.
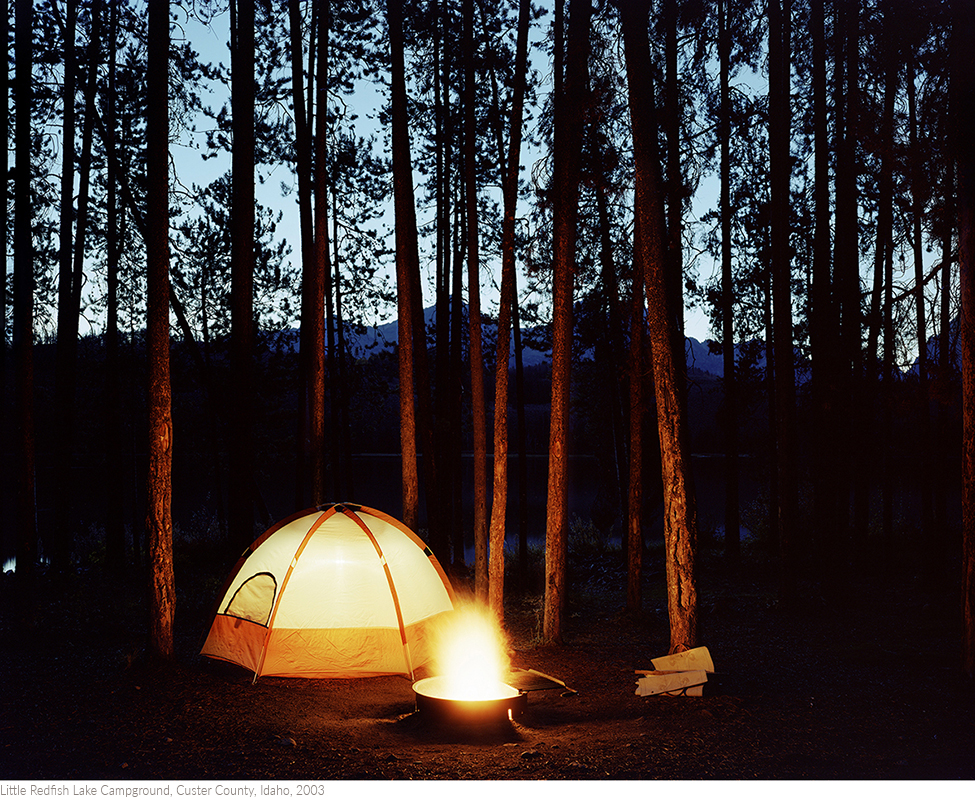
(697, 658)
(664, 682)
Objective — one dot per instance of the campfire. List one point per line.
(471, 664)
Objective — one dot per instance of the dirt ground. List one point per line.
(866, 687)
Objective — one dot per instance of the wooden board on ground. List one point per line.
(683, 682)
(697, 658)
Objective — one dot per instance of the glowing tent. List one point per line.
(336, 592)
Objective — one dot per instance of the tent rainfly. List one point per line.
(341, 591)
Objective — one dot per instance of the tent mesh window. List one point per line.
(254, 599)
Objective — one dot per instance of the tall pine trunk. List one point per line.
(67, 336)
(114, 519)
(407, 259)
(782, 346)
(499, 500)
(159, 522)
(634, 503)
(23, 330)
(680, 515)
(963, 111)
(318, 281)
(828, 530)
(732, 526)
(478, 409)
(242, 277)
(304, 454)
(923, 467)
(569, 98)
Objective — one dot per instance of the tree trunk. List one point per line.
(114, 520)
(303, 168)
(568, 146)
(782, 352)
(963, 110)
(159, 522)
(23, 330)
(609, 360)
(499, 500)
(674, 191)
(319, 278)
(67, 336)
(445, 395)
(242, 278)
(732, 526)
(345, 483)
(522, 438)
(680, 516)
(946, 368)
(478, 410)
(406, 260)
(881, 311)
(846, 270)
(824, 332)
(924, 461)
(634, 504)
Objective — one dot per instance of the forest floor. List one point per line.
(867, 687)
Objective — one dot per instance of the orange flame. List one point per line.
(472, 655)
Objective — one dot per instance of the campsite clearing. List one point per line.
(863, 687)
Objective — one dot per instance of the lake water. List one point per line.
(377, 482)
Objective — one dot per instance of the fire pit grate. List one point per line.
(434, 704)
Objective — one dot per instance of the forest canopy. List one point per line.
(199, 234)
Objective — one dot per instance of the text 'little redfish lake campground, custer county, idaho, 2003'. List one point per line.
(133, 790)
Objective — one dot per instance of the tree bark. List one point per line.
(242, 277)
(67, 336)
(732, 526)
(319, 279)
(782, 350)
(680, 515)
(23, 330)
(568, 145)
(114, 520)
(634, 504)
(478, 410)
(407, 259)
(923, 466)
(499, 501)
(824, 329)
(303, 167)
(963, 110)
(159, 523)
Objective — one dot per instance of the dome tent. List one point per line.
(340, 591)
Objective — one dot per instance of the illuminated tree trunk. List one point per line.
(478, 410)
(304, 461)
(319, 280)
(499, 500)
(159, 523)
(634, 505)
(568, 144)
(680, 515)
(406, 261)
